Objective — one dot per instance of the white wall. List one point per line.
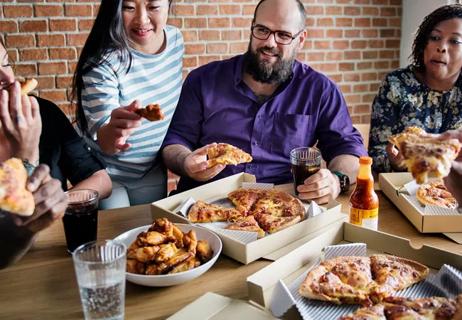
(414, 12)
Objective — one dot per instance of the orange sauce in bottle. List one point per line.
(364, 203)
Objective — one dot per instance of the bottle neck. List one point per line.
(365, 172)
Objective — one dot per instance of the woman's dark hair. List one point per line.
(106, 36)
(426, 27)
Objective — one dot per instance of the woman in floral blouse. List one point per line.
(427, 93)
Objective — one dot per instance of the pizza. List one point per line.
(398, 308)
(361, 280)
(246, 224)
(204, 212)
(269, 210)
(152, 112)
(224, 153)
(425, 155)
(435, 193)
(14, 197)
(28, 85)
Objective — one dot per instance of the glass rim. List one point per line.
(86, 245)
(294, 150)
(94, 196)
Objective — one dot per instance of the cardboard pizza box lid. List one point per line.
(392, 185)
(248, 252)
(212, 306)
(262, 284)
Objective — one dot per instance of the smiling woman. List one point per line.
(426, 94)
(131, 58)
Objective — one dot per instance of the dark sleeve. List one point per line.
(335, 131)
(186, 124)
(383, 119)
(76, 162)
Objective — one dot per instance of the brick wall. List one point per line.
(355, 42)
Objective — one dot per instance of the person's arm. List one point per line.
(454, 180)
(108, 123)
(18, 233)
(21, 123)
(98, 181)
(384, 117)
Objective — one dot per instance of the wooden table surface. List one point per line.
(43, 286)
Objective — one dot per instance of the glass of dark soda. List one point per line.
(81, 218)
(305, 161)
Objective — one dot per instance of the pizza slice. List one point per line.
(272, 224)
(247, 224)
(14, 197)
(28, 85)
(204, 212)
(224, 153)
(375, 312)
(278, 203)
(425, 155)
(339, 280)
(244, 199)
(393, 273)
(152, 112)
(435, 193)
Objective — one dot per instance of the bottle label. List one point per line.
(365, 218)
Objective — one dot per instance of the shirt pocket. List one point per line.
(290, 131)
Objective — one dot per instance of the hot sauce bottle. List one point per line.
(364, 203)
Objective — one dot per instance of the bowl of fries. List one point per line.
(167, 254)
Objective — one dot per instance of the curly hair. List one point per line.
(429, 23)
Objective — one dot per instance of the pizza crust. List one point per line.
(28, 85)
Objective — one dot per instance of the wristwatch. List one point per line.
(344, 181)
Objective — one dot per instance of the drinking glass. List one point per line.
(81, 218)
(305, 161)
(100, 270)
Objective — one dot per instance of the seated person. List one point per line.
(267, 104)
(17, 233)
(426, 94)
(37, 131)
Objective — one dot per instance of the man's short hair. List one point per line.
(301, 10)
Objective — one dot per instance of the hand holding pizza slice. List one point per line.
(224, 153)
(426, 155)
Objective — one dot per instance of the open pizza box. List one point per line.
(239, 247)
(275, 287)
(212, 306)
(424, 218)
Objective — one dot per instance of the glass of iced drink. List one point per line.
(100, 270)
(305, 161)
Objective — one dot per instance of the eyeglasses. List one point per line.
(281, 37)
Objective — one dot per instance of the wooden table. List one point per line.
(42, 285)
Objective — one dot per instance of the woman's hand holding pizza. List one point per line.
(454, 180)
(21, 123)
(112, 137)
(196, 166)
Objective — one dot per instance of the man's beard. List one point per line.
(264, 72)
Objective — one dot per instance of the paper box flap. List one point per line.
(217, 307)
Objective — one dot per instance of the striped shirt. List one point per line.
(153, 78)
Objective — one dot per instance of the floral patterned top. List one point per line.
(404, 101)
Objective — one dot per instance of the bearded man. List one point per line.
(267, 103)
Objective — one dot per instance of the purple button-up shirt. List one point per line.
(217, 106)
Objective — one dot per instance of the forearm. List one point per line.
(174, 156)
(347, 164)
(99, 181)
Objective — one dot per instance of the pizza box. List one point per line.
(280, 242)
(212, 306)
(266, 282)
(444, 220)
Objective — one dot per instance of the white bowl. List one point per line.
(164, 280)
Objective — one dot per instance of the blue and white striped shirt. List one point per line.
(153, 78)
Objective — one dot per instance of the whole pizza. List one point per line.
(271, 211)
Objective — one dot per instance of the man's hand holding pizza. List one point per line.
(196, 166)
(20, 122)
(112, 137)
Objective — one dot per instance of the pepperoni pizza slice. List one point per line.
(205, 212)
